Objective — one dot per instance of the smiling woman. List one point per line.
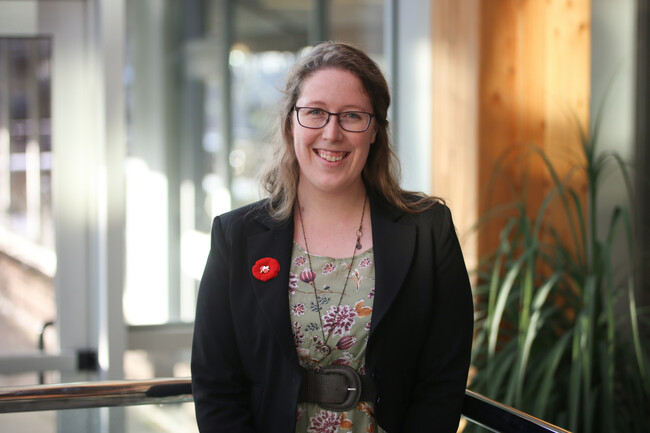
(331, 158)
(357, 257)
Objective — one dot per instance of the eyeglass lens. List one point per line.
(353, 121)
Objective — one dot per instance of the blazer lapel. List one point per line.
(273, 295)
(394, 246)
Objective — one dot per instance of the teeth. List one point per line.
(331, 157)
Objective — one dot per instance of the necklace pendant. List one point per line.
(324, 349)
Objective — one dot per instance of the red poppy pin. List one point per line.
(266, 268)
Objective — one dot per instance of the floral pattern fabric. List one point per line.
(346, 328)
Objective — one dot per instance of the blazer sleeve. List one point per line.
(444, 362)
(221, 391)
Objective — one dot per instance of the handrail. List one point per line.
(94, 394)
(478, 409)
(498, 417)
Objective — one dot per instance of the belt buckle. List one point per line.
(353, 388)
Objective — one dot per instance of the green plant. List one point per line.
(557, 328)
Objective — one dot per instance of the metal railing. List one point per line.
(498, 417)
(477, 409)
(84, 395)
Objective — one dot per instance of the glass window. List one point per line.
(267, 40)
(25, 144)
(27, 258)
(203, 82)
(359, 22)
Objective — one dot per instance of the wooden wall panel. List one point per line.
(455, 96)
(533, 85)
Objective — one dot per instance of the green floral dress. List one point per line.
(347, 322)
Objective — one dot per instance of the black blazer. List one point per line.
(245, 371)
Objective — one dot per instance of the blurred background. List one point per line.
(127, 125)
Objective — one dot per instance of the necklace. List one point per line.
(323, 348)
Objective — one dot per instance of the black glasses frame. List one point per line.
(329, 115)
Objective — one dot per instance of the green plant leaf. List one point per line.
(529, 332)
(549, 370)
(503, 294)
(553, 338)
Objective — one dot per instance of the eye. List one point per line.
(314, 112)
(351, 115)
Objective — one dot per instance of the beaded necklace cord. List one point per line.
(323, 348)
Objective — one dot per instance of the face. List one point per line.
(331, 159)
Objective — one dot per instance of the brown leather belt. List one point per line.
(336, 387)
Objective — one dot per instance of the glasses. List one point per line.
(316, 118)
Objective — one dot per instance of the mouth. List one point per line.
(331, 156)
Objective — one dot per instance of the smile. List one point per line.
(331, 156)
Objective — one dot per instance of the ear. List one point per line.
(374, 135)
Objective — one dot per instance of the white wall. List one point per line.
(412, 93)
(612, 71)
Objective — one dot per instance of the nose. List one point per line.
(333, 131)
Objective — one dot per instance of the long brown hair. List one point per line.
(381, 172)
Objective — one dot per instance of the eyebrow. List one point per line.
(351, 107)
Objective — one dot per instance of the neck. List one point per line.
(330, 223)
(331, 204)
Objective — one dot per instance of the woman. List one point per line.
(341, 302)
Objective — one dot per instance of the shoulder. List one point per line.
(248, 212)
(243, 218)
(437, 216)
(433, 217)
(418, 208)
(250, 218)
